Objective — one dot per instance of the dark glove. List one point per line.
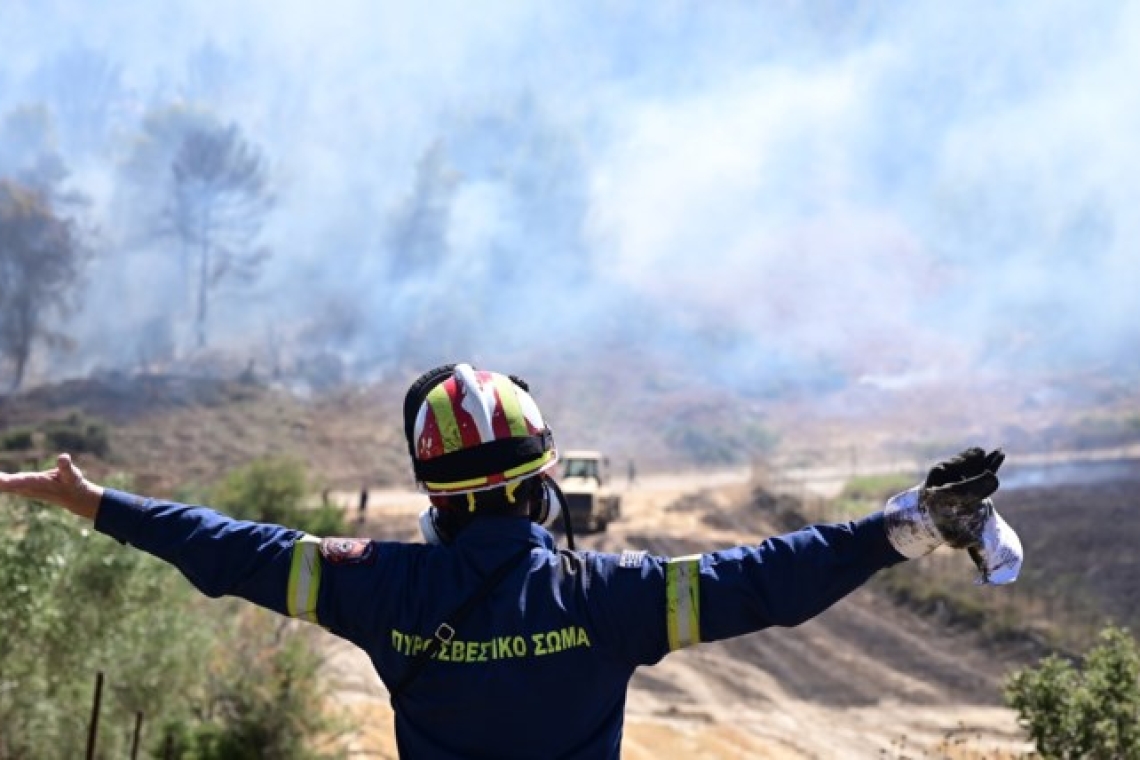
(952, 506)
(956, 495)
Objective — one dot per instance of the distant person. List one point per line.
(362, 509)
(493, 643)
(632, 472)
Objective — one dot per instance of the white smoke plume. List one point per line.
(779, 192)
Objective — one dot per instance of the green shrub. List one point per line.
(271, 490)
(270, 706)
(865, 493)
(222, 678)
(1087, 710)
(77, 435)
(725, 443)
(17, 439)
(951, 600)
(266, 490)
(73, 603)
(876, 488)
(326, 520)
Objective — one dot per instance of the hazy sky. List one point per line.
(851, 187)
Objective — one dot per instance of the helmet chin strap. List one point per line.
(553, 505)
(553, 500)
(552, 495)
(429, 529)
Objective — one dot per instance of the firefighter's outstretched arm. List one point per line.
(64, 486)
(789, 579)
(218, 554)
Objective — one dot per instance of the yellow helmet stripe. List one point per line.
(530, 466)
(475, 483)
(683, 601)
(511, 408)
(472, 483)
(445, 420)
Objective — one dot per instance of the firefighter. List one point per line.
(491, 641)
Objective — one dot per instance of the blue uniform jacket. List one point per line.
(541, 668)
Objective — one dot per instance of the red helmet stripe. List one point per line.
(499, 422)
(468, 430)
(429, 444)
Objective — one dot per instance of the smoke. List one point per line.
(1069, 473)
(780, 193)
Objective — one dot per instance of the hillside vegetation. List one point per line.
(178, 675)
(216, 438)
(181, 433)
(175, 433)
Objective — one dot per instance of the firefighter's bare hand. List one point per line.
(64, 486)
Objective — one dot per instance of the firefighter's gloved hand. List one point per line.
(952, 507)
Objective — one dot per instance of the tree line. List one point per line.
(197, 186)
(107, 178)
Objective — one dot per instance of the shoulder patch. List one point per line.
(347, 551)
(631, 558)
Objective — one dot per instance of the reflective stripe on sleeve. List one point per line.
(305, 579)
(683, 601)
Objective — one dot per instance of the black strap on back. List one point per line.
(445, 632)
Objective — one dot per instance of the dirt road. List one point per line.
(863, 680)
